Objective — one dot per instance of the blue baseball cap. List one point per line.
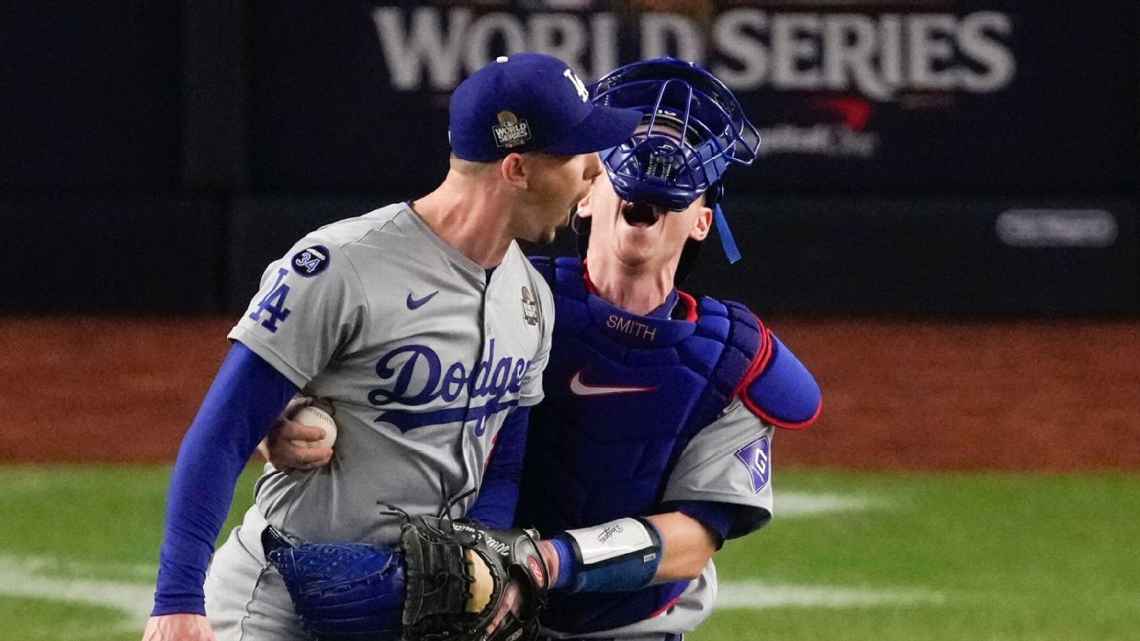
(531, 102)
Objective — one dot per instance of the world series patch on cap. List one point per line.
(531, 102)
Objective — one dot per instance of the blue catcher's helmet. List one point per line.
(693, 129)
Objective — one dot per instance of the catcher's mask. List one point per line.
(692, 130)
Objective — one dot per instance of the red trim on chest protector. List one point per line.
(754, 371)
(665, 608)
(690, 305)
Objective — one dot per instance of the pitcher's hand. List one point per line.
(178, 627)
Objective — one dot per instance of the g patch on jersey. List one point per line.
(311, 260)
(757, 458)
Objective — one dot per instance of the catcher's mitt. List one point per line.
(450, 580)
(458, 576)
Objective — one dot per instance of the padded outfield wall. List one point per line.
(956, 157)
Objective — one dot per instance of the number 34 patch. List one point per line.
(311, 260)
(308, 263)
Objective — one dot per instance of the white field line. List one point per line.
(799, 504)
(71, 568)
(133, 600)
(19, 578)
(759, 595)
(39, 577)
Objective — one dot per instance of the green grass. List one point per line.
(105, 514)
(43, 620)
(1031, 558)
(1008, 557)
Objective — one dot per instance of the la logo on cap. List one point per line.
(579, 86)
(511, 132)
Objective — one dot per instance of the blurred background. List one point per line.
(942, 224)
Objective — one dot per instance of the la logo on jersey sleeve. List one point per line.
(271, 309)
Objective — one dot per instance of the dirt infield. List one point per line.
(1056, 396)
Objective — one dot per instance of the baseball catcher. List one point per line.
(653, 446)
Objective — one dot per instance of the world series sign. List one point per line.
(912, 95)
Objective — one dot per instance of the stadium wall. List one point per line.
(980, 158)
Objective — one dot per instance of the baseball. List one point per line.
(316, 417)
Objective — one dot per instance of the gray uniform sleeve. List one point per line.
(729, 461)
(531, 391)
(309, 307)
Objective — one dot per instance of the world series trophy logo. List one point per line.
(530, 307)
(511, 132)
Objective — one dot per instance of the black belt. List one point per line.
(273, 539)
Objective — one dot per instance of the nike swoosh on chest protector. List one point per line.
(579, 388)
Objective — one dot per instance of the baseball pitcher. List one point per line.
(427, 331)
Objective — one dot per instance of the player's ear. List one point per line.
(702, 224)
(583, 210)
(514, 171)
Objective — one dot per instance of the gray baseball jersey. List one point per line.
(729, 461)
(421, 354)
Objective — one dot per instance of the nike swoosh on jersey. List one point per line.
(579, 388)
(414, 303)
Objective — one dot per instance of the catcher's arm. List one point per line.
(631, 553)
(688, 545)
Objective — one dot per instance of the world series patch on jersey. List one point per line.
(420, 353)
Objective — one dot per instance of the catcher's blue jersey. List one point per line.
(627, 400)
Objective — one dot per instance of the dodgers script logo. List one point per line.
(417, 376)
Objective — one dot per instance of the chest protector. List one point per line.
(624, 395)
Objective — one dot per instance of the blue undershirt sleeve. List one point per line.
(499, 493)
(242, 404)
(717, 517)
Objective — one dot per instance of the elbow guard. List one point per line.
(618, 556)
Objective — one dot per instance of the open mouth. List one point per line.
(640, 214)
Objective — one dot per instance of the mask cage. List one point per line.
(693, 130)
